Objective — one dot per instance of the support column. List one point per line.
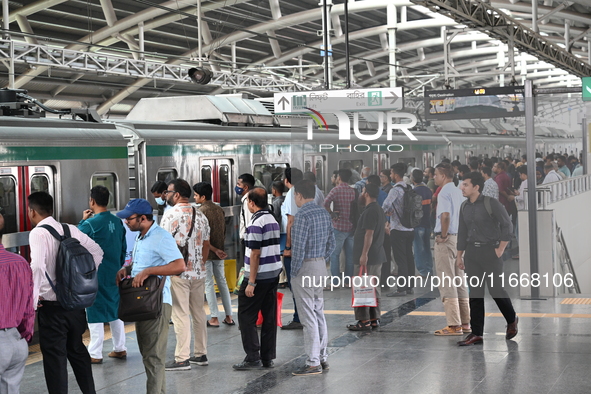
(585, 142)
(233, 47)
(534, 16)
(532, 199)
(392, 23)
(140, 30)
(5, 19)
(199, 48)
(567, 35)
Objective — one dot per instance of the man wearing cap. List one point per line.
(155, 253)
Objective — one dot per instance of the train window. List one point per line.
(40, 183)
(356, 165)
(266, 174)
(109, 181)
(376, 163)
(409, 161)
(383, 162)
(8, 204)
(307, 166)
(166, 174)
(225, 184)
(320, 172)
(206, 174)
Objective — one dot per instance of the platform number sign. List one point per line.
(586, 88)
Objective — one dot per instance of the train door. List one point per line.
(16, 183)
(380, 162)
(317, 165)
(220, 174)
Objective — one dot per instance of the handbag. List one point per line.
(278, 312)
(185, 248)
(141, 303)
(365, 294)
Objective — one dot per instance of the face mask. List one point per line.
(160, 201)
(238, 190)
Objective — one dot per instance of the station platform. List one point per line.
(551, 354)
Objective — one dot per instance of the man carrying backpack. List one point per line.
(401, 237)
(60, 329)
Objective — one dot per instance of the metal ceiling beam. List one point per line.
(526, 8)
(33, 8)
(503, 27)
(283, 22)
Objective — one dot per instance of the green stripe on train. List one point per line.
(29, 153)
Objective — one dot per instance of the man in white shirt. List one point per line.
(456, 303)
(60, 330)
(551, 174)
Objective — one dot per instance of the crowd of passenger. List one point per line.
(467, 211)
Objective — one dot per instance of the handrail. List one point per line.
(554, 192)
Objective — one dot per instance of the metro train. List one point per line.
(66, 158)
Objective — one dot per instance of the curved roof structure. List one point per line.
(108, 54)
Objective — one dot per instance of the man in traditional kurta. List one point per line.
(106, 230)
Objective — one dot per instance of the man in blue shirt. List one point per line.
(155, 253)
(313, 243)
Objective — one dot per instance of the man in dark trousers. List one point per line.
(484, 232)
(368, 252)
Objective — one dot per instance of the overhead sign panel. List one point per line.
(479, 103)
(379, 99)
(586, 81)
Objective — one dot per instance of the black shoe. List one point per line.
(324, 365)
(360, 326)
(247, 365)
(293, 325)
(178, 366)
(308, 370)
(201, 360)
(268, 364)
(396, 294)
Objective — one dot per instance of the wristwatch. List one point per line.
(252, 284)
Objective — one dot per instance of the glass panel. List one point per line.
(384, 160)
(206, 174)
(40, 183)
(320, 173)
(266, 174)
(307, 166)
(375, 167)
(110, 182)
(8, 204)
(224, 185)
(166, 175)
(409, 161)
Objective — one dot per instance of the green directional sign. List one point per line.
(586, 88)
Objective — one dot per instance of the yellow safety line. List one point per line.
(576, 301)
(545, 315)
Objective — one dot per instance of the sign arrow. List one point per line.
(283, 100)
(393, 98)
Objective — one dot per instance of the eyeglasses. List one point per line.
(129, 219)
(168, 191)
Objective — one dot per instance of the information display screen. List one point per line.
(478, 103)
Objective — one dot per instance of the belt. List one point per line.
(483, 244)
(448, 234)
(50, 303)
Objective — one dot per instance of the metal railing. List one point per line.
(554, 192)
(566, 264)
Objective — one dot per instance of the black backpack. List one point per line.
(487, 206)
(412, 208)
(76, 274)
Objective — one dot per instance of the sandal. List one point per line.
(232, 323)
(360, 326)
(466, 328)
(212, 325)
(450, 331)
(375, 324)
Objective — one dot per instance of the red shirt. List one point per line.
(341, 195)
(16, 294)
(504, 182)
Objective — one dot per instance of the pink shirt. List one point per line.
(44, 249)
(16, 294)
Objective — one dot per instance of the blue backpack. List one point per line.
(76, 274)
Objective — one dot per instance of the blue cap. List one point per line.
(137, 206)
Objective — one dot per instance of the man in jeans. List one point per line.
(422, 241)
(155, 253)
(401, 237)
(190, 229)
(341, 197)
(215, 261)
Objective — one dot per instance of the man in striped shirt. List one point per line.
(258, 290)
(17, 317)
